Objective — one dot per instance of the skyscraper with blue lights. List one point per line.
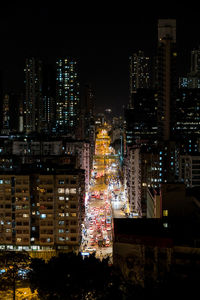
(67, 95)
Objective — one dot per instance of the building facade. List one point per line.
(139, 74)
(167, 79)
(41, 211)
(33, 95)
(189, 170)
(67, 95)
(132, 178)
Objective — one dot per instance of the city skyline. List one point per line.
(102, 49)
(99, 154)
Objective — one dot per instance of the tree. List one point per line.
(69, 276)
(12, 262)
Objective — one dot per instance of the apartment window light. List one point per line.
(165, 213)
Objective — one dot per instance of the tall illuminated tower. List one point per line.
(139, 74)
(6, 115)
(167, 80)
(67, 95)
(167, 85)
(33, 95)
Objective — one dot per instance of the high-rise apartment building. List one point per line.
(139, 72)
(141, 121)
(195, 62)
(192, 79)
(22, 149)
(133, 180)
(48, 99)
(189, 166)
(88, 100)
(82, 149)
(188, 117)
(142, 170)
(33, 95)
(6, 115)
(67, 95)
(167, 81)
(41, 209)
(86, 119)
(11, 113)
(141, 115)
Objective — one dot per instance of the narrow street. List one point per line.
(105, 199)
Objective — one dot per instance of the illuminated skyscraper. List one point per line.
(6, 115)
(167, 85)
(167, 80)
(48, 99)
(33, 95)
(139, 68)
(192, 80)
(11, 113)
(67, 95)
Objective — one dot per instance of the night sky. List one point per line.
(102, 45)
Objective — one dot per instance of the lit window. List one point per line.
(61, 181)
(60, 190)
(73, 191)
(43, 216)
(165, 213)
(25, 215)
